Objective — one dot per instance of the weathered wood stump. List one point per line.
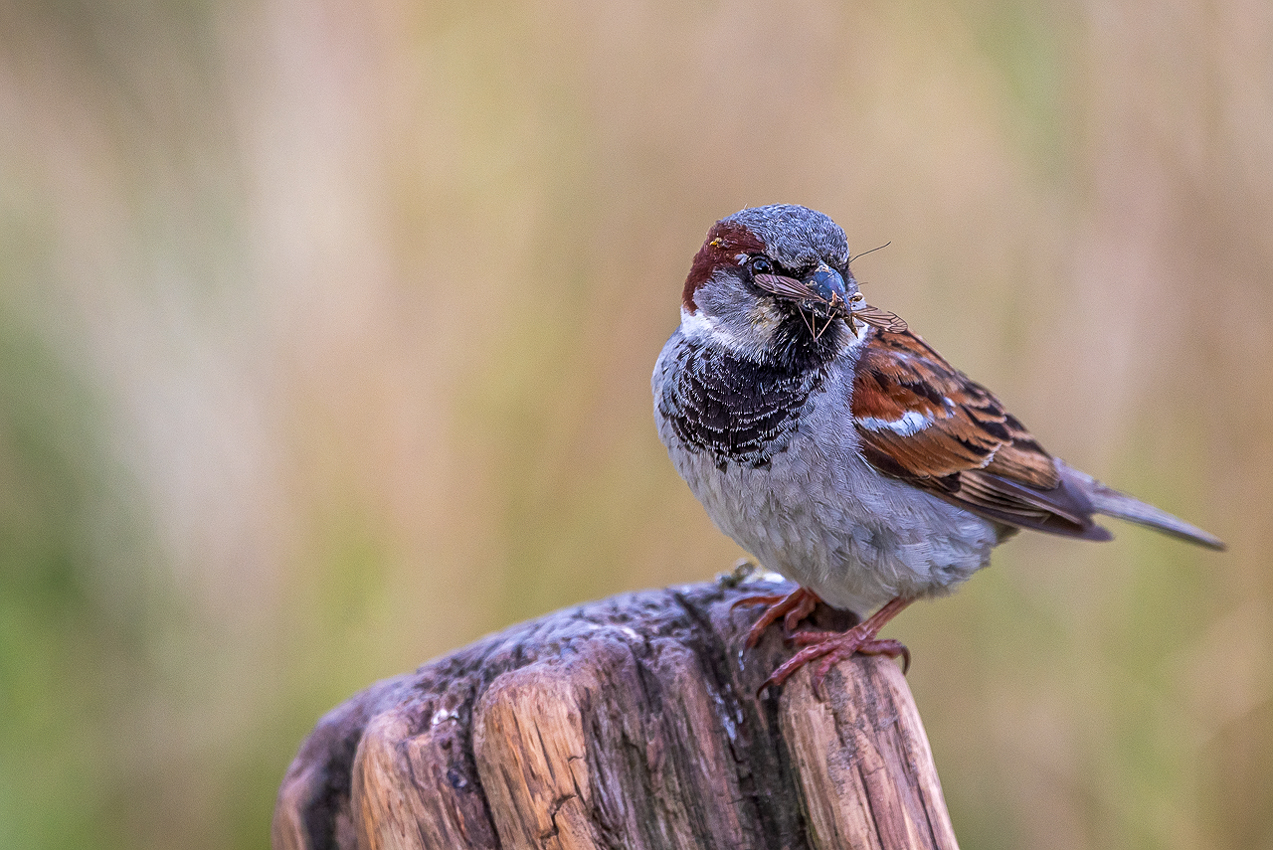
(628, 723)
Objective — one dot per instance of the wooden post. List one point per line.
(628, 723)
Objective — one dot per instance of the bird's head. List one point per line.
(772, 282)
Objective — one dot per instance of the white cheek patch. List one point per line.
(697, 326)
(910, 423)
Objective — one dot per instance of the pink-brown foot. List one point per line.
(792, 608)
(833, 647)
(838, 646)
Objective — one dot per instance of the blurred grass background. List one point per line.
(326, 329)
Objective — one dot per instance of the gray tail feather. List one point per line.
(1110, 502)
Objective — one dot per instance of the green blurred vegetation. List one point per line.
(326, 331)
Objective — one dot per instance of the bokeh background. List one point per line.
(326, 329)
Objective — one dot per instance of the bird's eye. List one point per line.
(761, 265)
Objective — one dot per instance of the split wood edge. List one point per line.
(627, 723)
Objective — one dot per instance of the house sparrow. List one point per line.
(840, 449)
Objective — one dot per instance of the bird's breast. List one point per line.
(732, 409)
(778, 466)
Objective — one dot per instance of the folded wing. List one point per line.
(926, 423)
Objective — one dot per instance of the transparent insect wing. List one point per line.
(881, 319)
(782, 286)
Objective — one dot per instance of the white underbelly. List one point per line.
(821, 516)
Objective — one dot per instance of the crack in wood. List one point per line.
(626, 723)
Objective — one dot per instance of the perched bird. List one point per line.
(840, 449)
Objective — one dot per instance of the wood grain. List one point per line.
(633, 723)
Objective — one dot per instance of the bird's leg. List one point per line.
(793, 607)
(836, 646)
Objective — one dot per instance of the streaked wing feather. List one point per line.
(926, 423)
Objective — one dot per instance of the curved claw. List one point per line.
(792, 608)
(837, 646)
(891, 648)
(803, 608)
(757, 600)
(833, 647)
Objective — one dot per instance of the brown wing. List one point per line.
(928, 424)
